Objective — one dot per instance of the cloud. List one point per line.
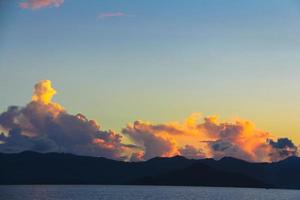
(282, 148)
(46, 126)
(239, 138)
(209, 138)
(168, 139)
(38, 4)
(17, 141)
(154, 144)
(111, 14)
(137, 156)
(190, 151)
(43, 125)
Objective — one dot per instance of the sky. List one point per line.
(118, 61)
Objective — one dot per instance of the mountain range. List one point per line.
(61, 168)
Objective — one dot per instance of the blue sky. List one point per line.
(160, 61)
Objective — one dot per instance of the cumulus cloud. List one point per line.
(239, 138)
(167, 139)
(38, 4)
(208, 138)
(46, 126)
(154, 144)
(43, 125)
(282, 148)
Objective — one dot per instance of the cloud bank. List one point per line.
(209, 138)
(38, 4)
(45, 126)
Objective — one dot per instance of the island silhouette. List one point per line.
(30, 167)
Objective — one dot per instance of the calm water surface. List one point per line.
(93, 192)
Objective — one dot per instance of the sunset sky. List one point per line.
(118, 61)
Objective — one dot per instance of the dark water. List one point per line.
(93, 192)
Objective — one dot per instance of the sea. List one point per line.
(108, 192)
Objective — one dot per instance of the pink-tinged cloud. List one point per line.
(38, 4)
(208, 137)
(45, 126)
(111, 14)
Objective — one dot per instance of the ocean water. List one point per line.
(99, 192)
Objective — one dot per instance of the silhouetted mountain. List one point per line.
(59, 168)
(201, 175)
(282, 174)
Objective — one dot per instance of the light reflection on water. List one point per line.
(100, 192)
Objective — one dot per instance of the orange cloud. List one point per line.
(42, 95)
(209, 138)
(44, 125)
(155, 143)
(38, 4)
(43, 92)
